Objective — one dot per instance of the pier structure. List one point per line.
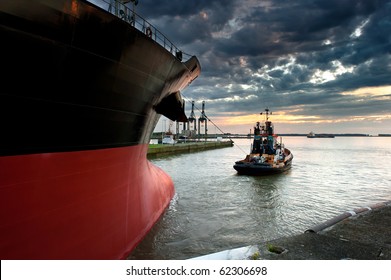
(185, 124)
(203, 119)
(189, 127)
(190, 130)
(155, 151)
(192, 118)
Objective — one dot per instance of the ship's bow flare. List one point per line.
(194, 67)
(172, 107)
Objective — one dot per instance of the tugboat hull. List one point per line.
(259, 169)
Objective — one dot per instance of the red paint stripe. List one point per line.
(79, 205)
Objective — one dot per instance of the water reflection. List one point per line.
(215, 209)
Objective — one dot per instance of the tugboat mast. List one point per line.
(266, 113)
(264, 138)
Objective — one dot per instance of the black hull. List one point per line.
(75, 77)
(321, 136)
(258, 170)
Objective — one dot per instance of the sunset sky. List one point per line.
(322, 66)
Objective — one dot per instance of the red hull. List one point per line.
(95, 204)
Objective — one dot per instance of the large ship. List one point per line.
(83, 85)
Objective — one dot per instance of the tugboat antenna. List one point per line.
(267, 113)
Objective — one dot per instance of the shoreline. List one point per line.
(159, 150)
(360, 234)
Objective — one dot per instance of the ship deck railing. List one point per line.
(131, 17)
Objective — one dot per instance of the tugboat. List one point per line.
(267, 155)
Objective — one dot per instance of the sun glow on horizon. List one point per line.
(283, 119)
(370, 91)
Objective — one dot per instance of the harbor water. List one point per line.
(216, 209)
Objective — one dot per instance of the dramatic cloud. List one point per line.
(319, 64)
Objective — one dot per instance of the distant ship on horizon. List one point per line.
(320, 135)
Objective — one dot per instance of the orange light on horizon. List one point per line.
(289, 119)
(370, 91)
(280, 117)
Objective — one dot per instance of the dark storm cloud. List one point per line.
(183, 20)
(181, 8)
(288, 53)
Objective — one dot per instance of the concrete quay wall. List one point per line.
(167, 149)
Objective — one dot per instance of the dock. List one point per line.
(158, 150)
(359, 234)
